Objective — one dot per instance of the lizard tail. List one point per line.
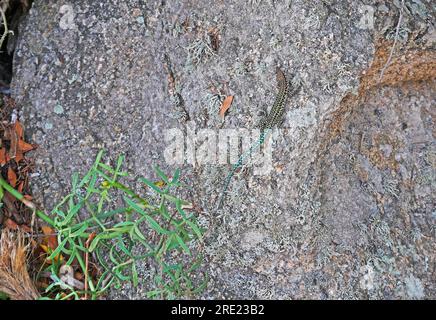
(239, 164)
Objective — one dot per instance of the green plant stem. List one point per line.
(26, 202)
(45, 217)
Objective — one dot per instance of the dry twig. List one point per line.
(397, 32)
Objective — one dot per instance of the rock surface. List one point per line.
(348, 210)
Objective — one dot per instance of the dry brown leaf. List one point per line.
(11, 135)
(79, 276)
(49, 251)
(3, 159)
(18, 156)
(19, 129)
(20, 187)
(46, 230)
(24, 146)
(10, 224)
(25, 228)
(226, 105)
(15, 134)
(12, 177)
(9, 202)
(50, 237)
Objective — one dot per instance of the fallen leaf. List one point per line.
(49, 251)
(50, 242)
(226, 105)
(15, 134)
(79, 276)
(18, 156)
(3, 156)
(11, 135)
(12, 177)
(24, 146)
(10, 224)
(50, 237)
(25, 228)
(19, 129)
(42, 283)
(9, 202)
(20, 187)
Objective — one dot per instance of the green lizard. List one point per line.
(272, 119)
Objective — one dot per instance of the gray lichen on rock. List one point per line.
(348, 210)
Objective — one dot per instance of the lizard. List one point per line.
(274, 117)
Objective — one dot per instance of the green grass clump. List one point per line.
(155, 230)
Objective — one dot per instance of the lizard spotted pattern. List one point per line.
(273, 118)
(278, 108)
